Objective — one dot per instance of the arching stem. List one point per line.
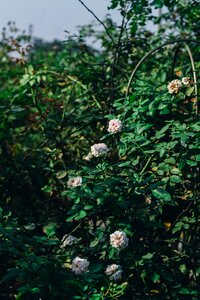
(186, 41)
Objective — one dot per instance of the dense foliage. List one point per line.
(99, 179)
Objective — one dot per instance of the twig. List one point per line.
(117, 54)
(182, 213)
(106, 29)
(146, 165)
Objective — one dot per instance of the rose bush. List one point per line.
(100, 186)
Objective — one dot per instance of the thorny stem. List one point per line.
(106, 29)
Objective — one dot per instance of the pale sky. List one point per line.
(51, 17)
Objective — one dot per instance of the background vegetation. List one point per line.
(56, 102)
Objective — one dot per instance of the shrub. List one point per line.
(99, 178)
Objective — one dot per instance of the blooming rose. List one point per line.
(114, 271)
(80, 265)
(186, 81)
(74, 182)
(114, 126)
(68, 240)
(99, 149)
(174, 86)
(118, 239)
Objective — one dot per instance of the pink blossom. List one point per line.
(174, 86)
(118, 239)
(74, 182)
(114, 126)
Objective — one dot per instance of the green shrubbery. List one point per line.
(99, 180)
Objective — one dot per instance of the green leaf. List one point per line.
(183, 268)
(72, 217)
(47, 189)
(12, 274)
(189, 91)
(148, 256)
(50, 229)
(178, 227)
(88, 207)
(175, 178)
(176, 171)
(170, 160)
(94, 243)
(35, 290)
(124, 164)
(111, 253)
(82, 214)
(95, 268)
(161, 132)
(61, 174)
(156, 278)
(161, 194)
(191, 163)
(186, 291)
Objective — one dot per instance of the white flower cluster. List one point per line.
(80, 265)
(99, 149)
(74, 182)
(114, 126)
(119, 240)
(114, 271)
(68, 240)
(175, 85)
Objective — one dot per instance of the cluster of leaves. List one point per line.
(56, 102)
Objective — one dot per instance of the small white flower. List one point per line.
(186, 81)
(80, 265)
(114, 271)
(74, 182)
(111, 269)
(116, 276)
(99, 149)
(114, 126)
(118, 239)
(68, 240)
(174, 86)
